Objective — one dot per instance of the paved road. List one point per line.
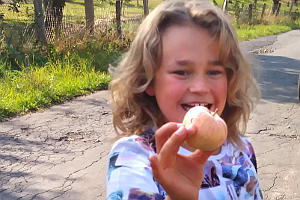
(61, 152)
(275, 125)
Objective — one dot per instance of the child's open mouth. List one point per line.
(189, 106)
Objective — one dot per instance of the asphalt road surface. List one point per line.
(61, 152)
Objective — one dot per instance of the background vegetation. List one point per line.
(73, 60)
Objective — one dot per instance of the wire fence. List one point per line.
(18, 20)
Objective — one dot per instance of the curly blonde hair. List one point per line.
(134, 110)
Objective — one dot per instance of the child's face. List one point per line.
(190, 73)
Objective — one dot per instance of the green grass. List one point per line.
(39, 87)
(52, 76)
(246, 32)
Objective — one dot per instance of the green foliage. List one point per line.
(246, 32)
(45, 75)
(40, 87)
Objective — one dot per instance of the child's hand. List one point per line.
(181, 176)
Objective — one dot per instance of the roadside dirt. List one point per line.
(61, 152)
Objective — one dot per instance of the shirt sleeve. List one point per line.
(129, 173)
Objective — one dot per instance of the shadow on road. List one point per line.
(278, 79)
(18, 157)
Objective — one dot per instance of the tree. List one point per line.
(39, 21)
(275, 6)
(54, 15)
(89, 15)
(118, 17)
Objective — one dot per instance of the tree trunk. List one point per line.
(89, 15)
(39, 21)
(146, 8)
(54, 15)
(118, 17)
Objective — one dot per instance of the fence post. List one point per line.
(275, 6)
(146, 8)
(89, 15)
(255, 4)
(225, 6)
(291, 8)
(45, 2)
(250, 13)
(39, 21)
(118, 17)
(278, 9)
(263, 11)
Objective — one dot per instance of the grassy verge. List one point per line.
(53, 76)
(40, 87)
(246, 32)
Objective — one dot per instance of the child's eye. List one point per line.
(215, 72)
(180, 72)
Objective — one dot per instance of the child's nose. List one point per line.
(199, 85)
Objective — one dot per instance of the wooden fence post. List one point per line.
(291, 7)
(275, 6)
(89, 16)
(242, 14)
(225, 6)
(39, 21)
(250, 13)
(278, 9)
(118, 17)
(146, 8)
(263, 11)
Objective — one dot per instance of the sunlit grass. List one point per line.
(25, 14)
(40, 87)
(251, 32)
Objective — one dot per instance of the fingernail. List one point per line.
(179, 125)
(189, 127)
(180, 130)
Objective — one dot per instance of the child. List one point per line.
(185, 54)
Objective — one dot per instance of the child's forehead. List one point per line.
(187, 35)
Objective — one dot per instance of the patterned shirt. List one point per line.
(231, 174)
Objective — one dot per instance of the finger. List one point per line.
(163, 134)
(154, 162)
(201, 156)
(168, 152)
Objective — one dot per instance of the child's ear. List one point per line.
(150, 90)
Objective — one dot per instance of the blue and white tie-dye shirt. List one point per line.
(231, 174)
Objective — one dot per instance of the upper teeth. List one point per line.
(199, 104)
